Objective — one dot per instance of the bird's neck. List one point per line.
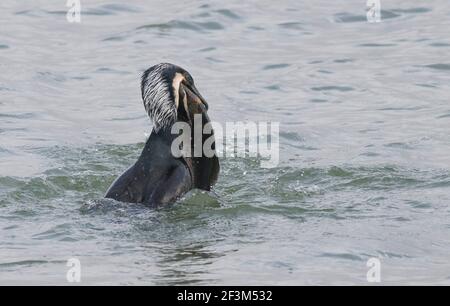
(203, 169)
(158, 146)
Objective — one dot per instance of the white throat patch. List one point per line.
(176, 87)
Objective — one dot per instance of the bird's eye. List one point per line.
(189, 79)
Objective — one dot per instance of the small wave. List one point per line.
(122, 7)
(444, 116)
(18, 115)
(207, 49)
(242, 209)
(111, 71)
(215, 60)
(399, 145)
(439, 66)
(274, 87)
(414, 10)
(184, 25)
(343, 60)
(406, 108)
(333, 88)
(198, 198)
(275, 66)
(350, 18)
(346, 256)
(104, 206)
(291, 25)
(57, 231)
(228, 13)
(114, 38)
(101, 10)
(29, 263)
(439, 44)
(315, 100)
(427, 85)
(377, 45)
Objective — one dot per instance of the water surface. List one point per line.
(364, 142)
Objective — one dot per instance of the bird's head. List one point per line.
(169, 95)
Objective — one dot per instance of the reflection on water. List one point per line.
(364, 164)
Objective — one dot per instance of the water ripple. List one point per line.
(439, 66)
(183, 25)
(333, 88)
(275, 66)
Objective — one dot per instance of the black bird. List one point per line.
(159, 176)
